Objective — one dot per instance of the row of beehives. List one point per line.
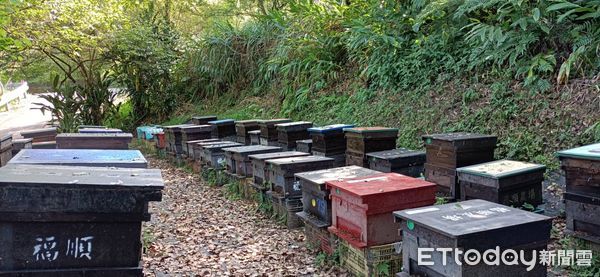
(358, 210)
(75, 212)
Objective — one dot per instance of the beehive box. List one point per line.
(93, 141)
(199, 149)
(81, 157)
(18, 144)
(453, 150)
(511, 183)
(330, 139)
(582, 212)
(254, 137)
(173, 138)
(474, 224)
(90, 225)
(5, 149)
(223, 129)
(214, 156)
(403, 161)
(362, 207)
(203, 120)
(100, 131)
(243, 127)
(260, 169)
(290, 132)
(193, 133)
(268, 130)
(339, 160)
(194, 145)
(44, 145)
(363, 140)
(238, 160)
(40, 135)
(367, 261)
(304, 145)
(581, 166)
(282, 172)
(319, 237)
(285, 210)
(317, 204)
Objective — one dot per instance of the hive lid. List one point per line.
(205, 117)
(99, 130)
(97, 126)
(196, 128)
(79, 176)
(501, 169)
(251, 149)
(77, 156)
(467, 217)
(362, 130)
(339, 173)
(177, 127)
(378, 184)
(247, 122)
(254, 132)
(274, 121)
(396, 154)
(221, 145)
(306, 141)
(458, 136)
(41, 130)
(298, 160)
(277, 155)
(22, 141)
(199, 141)
(95, 135)
(6, 137)
(222, 122)
(330, 128)
(588, 152)
(294, 124)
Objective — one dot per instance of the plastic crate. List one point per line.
(367, 261)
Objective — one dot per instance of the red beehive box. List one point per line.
(362, 207)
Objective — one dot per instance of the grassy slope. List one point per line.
(530, 126)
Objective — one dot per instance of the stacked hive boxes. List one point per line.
(5, 149)
(404, 161)
(213, 154)
(446, 152)
(18, 144)
(93, 140)
(193, 148)
(582, 199)
(268, 131)
(42, 138)
(329, 141)
(193, 133)
(290, 132)
(316, 203)
(223, 129)
(173, 138)
(363, 140)
(260, 170)
(511, 183)
(469, 226)
(362, 217)
(242, 129)
(286, 191)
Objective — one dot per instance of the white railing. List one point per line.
(19, 93)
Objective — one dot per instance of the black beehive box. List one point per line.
(239, 161)
(582, 215)
(203, 120)
(446, 152)
(40, 135)
(192, 133)
(5, 149)
(582, 169)
(81, 157)
(93, 141)
(259, 168)
(214, 156)
(474, 224)
(223, 129)
(282, 173)
(74, 221)
(510, 183)
(173, 138)
(304, 145)
(316, 201)
(243, 127)
(254, 137)
(329, 140)
(290, 132)
(18, 144)
(268, 131)
(194, 145)
(403, 161)
(363, 140)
